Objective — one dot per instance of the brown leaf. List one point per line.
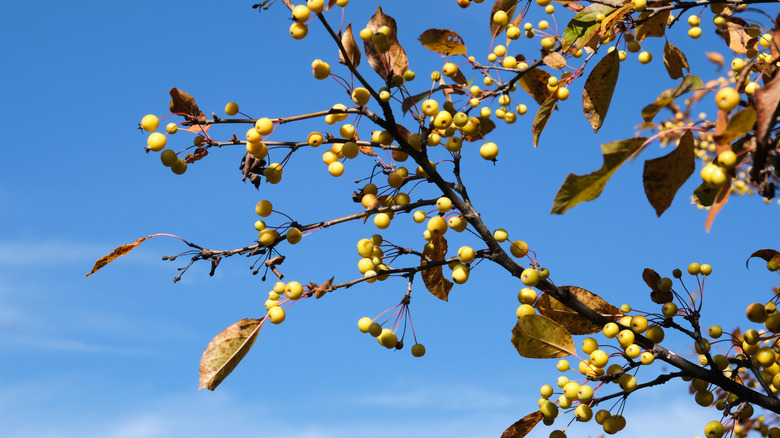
(571, 320)
(183, 103)
(715, 58)
(599, 88)
(554, 60)
(534, 82)
(542, 116)
(767, 108)
(675, 61)
(576, 7)
(198, 154)
(663, 176)
(226, 350)
(198, 129)
(735, 36)
(398, 62)
(320, 290)
(766, 254)
(523, 425)
(652, 278)
(507, 6)
(120, 251)
(331, 3)
(652, 24)
(433, 278)
(367, 150)
(720, 200)
(443, 41)
(350, 46)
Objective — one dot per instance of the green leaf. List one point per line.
(226, 350)
(539, 337)
(579, 188)
(534, 82)
(583, 27)
(675, 61)
(507, 6)
(542, 116)
(663, 176)
(599, 88)
(652, 23)
(739, 124)
(443, 41)
(689, 83)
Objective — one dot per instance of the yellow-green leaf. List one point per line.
(434, 278)
(523, 425)
(583, 27)
(689, 83)
(542, 116)
(663, 176)
(599, 88)
(675, 61)
(443, 41)
(742, 122)
(226, 350)
(539, 337)
(571, 320)
(579, 188)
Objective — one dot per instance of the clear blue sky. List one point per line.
(116, 355)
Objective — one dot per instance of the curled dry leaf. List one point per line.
(766, 254)
(444, 41)
(539, 337)
(715, 58)
(735, 36)
(433, 278)
(350, 46)
(197, 154)
(652, 278)
(118, 252)
(663, 176)
(721, 197)
(523, 425)
(554, 60)
(226, 350)
(184, 103)
(319, 290)
(571, 320)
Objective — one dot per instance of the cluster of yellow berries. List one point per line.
(371, 262)
(386, 337)
(156, 142)
(301, 14)
(269, 236)
(291, 291)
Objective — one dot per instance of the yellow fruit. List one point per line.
(727, 98)
(150, 122)
(231, 108)
(156, 141)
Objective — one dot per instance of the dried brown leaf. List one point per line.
(715, 58)
(663, 176)
(523, 426)
(735, 36)
(571, 320)
(226, 350)
(652, 24)
(444, 41)
(183, 103)
(198, 154)
(398, 62)
(766, 254)
(675, 61)
(350, 46)
(433, 278)
(319, 290)
(720, 200)
(652, 278)
(118, 252)
(534, 82)
(599, 88)
(554, 60)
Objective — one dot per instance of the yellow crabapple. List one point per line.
(264, 126)
(361, 96)
(418, 350)
(529, 277)
(466, 254)
(150, 122)
(293, 290)
(276, 314)
(168, 157)
(527, 295)
(293, 236)
(298, 30)
(179, 167)
(727, 98)
(519, 248)
(525, 309)
(387, 338)
(364, 323)
(488, 151)
(156, 142)
(231, 108)
(263, 208)
(500, 18)
(320, 69)
(645, 57)
(301, 13)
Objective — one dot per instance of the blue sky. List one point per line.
(116, 355)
